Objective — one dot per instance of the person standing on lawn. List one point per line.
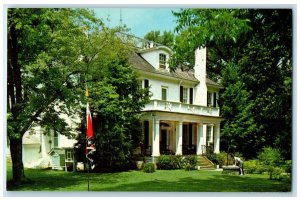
(239, 162)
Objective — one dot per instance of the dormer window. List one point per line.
(162, 61)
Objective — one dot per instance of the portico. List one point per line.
(179, 134)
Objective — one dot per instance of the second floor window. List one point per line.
(55, 139)
(163, 93)
(183, 94)
(162, 61)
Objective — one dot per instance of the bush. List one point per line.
(190, 162)
(169, 162)
(271, 160)
(164, 162)
(253, 167)
(288, 166)
(222, 159)
(149, 168)
(277, 173)
(176, 162)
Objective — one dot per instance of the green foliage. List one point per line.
(170, 162)
(167, 38)
(149, 168)
(253, 167)
(288, 166)
(205, 27)
(44, 47)
(250, 51)
(271, 159)
(164, 162)
(222, 158)
(176, 161)
(190, 162)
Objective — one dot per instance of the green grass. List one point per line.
(138, 181)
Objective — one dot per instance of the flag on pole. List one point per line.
(90, 143)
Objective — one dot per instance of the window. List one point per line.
(183, 94)
(164, 93)
(162, 61)
(211, 99)
(209, 135)
(209, 96)
(69, 155)
(55, 139)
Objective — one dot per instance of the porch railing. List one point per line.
(178, 107)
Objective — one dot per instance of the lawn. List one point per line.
(159, 181)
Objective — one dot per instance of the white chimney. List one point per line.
(200, 74)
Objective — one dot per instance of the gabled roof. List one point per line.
(140, 63)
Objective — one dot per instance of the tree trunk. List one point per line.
(17, 163)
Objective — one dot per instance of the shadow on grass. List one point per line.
(51, 180)
(160, 181)
(218, 183)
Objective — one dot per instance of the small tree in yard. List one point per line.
(270, 158)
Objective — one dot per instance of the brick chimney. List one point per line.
(200, 74)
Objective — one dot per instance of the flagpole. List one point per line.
(88, 176)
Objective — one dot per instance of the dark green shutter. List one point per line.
(181, 93)
(191, 95)
(146, 82)
(215, 100)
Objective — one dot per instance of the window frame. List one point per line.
(162, 58)
(164, 88)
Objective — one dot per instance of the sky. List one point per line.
(139, 20)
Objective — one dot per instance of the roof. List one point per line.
(140, 63)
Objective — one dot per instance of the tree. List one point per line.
(270, 158)
(43, 59)
(254, 45)
(220, 30)
(115, 100)
(167, 38)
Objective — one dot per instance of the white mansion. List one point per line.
(182, 117)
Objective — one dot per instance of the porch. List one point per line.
(162, 135)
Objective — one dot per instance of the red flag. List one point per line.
(89, 124)
(90, 143)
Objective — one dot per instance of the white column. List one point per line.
(217, 138)
(199, 138)
(179, 138)
(203, 140)
(155, 138)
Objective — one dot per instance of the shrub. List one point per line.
(176, 162)
(271, 159)
(277, 173)
(149, 168)
(190, 162)
(222, 158)
(288, 166)
(253, 167)
(164, 162)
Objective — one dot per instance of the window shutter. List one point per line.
(191, 95)
(146, 83)
(181, 93)
(215, 100)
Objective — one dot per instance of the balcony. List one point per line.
(177, 107)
